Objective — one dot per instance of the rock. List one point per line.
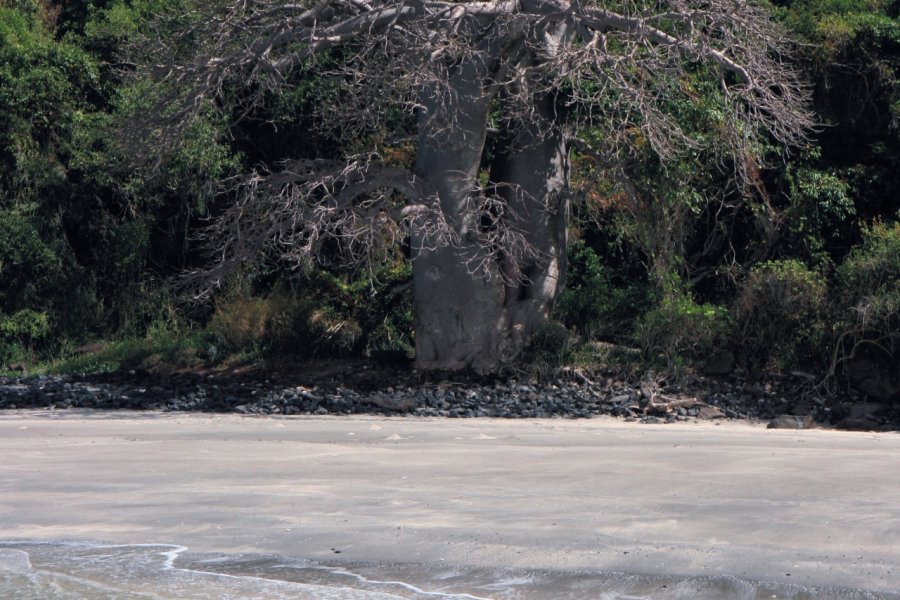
(720, 363)
(877, 377)
(859, 424)
(394, 403)
(864, 410)
(460, 398)
(710, 412)
(791, 422)
(754, 389)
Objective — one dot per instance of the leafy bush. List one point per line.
(679, 329)
(593, 302)
(868, 287)
(392, 327)
(26, 262)
(820, 208)
(43, 83)
(19, 332)
(380, 303)
(283, 324)
(551, 349)
(779, 315)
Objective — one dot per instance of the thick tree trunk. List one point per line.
(457, 312)
(532, 170)
(477, 307)
(480, 320)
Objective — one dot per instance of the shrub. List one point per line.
(20, 332)
(817, 219)
(280, 323)
(868, 279)
(297, 328)
(392, 330)
(240, 323)
(379, 304)
(868, 288)
(551, 349)
(779, 315)
(679, 329)
(593, 302)
(28, 266)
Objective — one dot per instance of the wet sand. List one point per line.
(813, 508)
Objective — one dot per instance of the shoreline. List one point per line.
(808, 508)
(361, 388)
(163, 567)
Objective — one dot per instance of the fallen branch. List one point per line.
(667, 403)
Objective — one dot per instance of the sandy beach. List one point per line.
(809, 507)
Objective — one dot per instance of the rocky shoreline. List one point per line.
(785, 403)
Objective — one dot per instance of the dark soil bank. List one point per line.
(354, 387)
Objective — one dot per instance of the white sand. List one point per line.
(598, 495)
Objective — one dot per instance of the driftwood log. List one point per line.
(654, 402)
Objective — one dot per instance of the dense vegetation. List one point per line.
(801, 275)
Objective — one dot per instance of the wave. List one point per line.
(67, 570)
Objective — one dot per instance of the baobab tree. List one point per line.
(540, 79)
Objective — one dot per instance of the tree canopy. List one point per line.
(536, 75)
(475, 138)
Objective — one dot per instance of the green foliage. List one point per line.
(82, 239)
(596, 302)
(20, 331)
(819, 211)
(681, 330)
(867, 300)
(47, 86)
(380, 304)
(25, 325)
(280, 323)
(35, 279)
(43, 83)
(392, 324)
(120, 20)
(868, 283)
(779, 314)
(87, 244)
(682, 213)
(853, 56)
(26, 262)
(158, 353)
(321, 314)
(837, 24)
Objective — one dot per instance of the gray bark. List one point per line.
(457, 314)
(481, 320)
(534, 170)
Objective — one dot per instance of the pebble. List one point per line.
(510, 399)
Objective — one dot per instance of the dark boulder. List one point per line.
(876, 374)
(720, 363)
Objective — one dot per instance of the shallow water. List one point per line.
(38, 570)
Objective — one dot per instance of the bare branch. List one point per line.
(612, 71)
